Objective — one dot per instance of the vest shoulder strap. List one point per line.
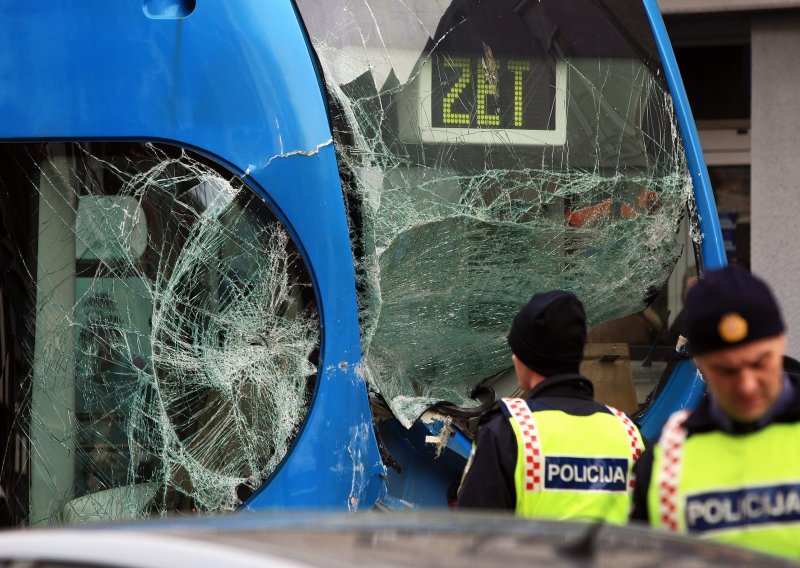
(634, 439)
(521, 414)
(671, 441)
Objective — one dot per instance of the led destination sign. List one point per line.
(492, 93)
(486, 100)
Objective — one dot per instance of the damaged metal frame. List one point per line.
(685, 386)
(258, 106)
(255, 106)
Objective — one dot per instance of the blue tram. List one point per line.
(263, 255)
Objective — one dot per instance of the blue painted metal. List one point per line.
(460, 444)
(427, 472)
(685, 386)
(235, 81)
(713, 247)
(684, 390)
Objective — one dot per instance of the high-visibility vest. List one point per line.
(573, 467)
(737, 489)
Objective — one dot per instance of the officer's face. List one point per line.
(745, 380)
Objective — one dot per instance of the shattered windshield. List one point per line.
(488, 151)
(169, 331)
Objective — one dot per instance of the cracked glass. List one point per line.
(488, 151)
(168, 332)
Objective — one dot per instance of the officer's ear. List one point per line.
(522, 372)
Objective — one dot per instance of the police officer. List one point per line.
(730, 469)
(557, 453)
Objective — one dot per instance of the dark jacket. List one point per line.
(489, 479)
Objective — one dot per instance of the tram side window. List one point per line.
(175, 335)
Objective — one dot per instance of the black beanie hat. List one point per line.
(727, 308)
(549, 333)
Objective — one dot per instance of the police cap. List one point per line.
(549, 333)
(727, 308)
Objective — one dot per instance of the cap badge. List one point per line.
(732, 328)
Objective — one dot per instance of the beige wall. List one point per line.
(775, 172)
(698, 6)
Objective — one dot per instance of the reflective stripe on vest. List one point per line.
(671, 442)
(736, 489)
(521, 412)
(571, 467)
(634, 439)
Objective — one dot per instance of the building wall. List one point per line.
(705, 6)
(775, 154)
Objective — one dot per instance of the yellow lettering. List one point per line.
(518, 68)
(487, 87)
(448, 116)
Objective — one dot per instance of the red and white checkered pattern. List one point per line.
(671, 442)
(521, 413)
(635, 441)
